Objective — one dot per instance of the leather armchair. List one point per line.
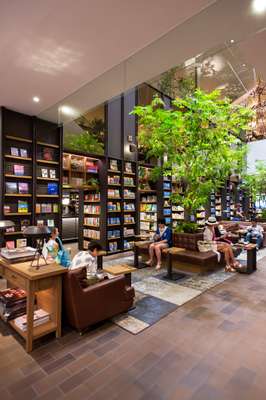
(92, 304)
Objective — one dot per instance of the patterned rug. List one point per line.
(157, 297)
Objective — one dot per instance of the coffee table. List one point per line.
(120, 269)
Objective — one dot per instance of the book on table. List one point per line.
(40, 317)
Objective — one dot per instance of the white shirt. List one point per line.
(208, 234)
(85, 259)
(256, 230)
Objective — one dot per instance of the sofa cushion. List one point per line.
(208, 258)
(187, 241)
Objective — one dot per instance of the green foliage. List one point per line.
(255, 183)
(91, 140)
(263, 214)
(93, 182)
(186, 227)
(200, 138)
(173, 86)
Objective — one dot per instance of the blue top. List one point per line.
(167, 235)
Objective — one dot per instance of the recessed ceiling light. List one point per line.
(36, 99)
(67, 111)
(232, 41)
(244, 65)
(259, 6)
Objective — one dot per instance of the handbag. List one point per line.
(206, 245)
(63, 256)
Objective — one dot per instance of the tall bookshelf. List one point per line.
(25, 197)
(129, 204)
(178, 212)
(148, 207)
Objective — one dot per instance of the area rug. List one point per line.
(156, 297)
(260, 255)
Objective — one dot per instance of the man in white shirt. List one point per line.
(255, 231)
(87, 259)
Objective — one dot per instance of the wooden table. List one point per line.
(170, 253)
(137, 246)
(251, 250)
(120, 269)
(44, 284)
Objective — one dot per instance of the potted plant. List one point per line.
(198, 141)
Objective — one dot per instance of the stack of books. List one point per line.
(39, 317)
(12, 303)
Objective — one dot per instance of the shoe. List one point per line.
(158, 266)
(149, 263)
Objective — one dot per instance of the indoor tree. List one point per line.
(198, 139)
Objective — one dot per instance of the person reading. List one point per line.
(87, 258)
(162, 239)
(255, 231)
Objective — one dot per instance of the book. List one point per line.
(7, 209)
(18, 169)
(23, 187)
(23, 153)
(113, 165)
(48, 154)
(50, 223)
(22, 206)
(55, 208)
(14, 151)
(52, 188)
(44, 172)
(21, 243)
(10, 244)
(11, 187)
(24, 224)
(52, 173)
(40, 222)
(39, 317)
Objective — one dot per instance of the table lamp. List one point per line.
(38, 234)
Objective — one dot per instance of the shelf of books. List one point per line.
(178, 212)
(129, 204)
(167, 205)
(48, 175)
(114, 206)
(147, 201)
(216, 204)
(17, 199)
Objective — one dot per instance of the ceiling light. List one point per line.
(36, 99)
(244, 65)
(232, 41)
(259, 6)
(68, 111)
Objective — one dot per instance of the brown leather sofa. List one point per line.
(92, 304)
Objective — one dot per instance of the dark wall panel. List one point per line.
(114, 123)
(129, 124)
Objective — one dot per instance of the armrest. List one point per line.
(143, 243)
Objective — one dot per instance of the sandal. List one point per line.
(158, 266)
(149, 263)
(228, 268)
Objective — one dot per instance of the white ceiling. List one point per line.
(51, 48)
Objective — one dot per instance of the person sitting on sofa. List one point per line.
(255, 231)
(162, 240)
(87, 259)
(225, 248)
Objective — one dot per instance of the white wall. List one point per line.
(256, 152)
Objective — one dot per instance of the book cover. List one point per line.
(11, 187)
(44, 172)
(52, 188)
(10, 244)
(23, 153)
(21, 243)
(24, 224)
(48, 154)
(22, 206)
(23, 187)
(7, 209)
(14, 151)
(50, 223)
(18, 169)
(52, 173)
(40, 222)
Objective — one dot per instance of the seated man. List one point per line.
(255, 231)
(87, 259)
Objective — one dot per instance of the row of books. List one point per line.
(16, 169)
(129, 207)
(148, 207)
(113, 233)
(129, 219)
(17, 187)
(92, 209)
(113, 220)
(148, 216)
(92, 197)
(128, 194)
(91, 234)
(19, 243)
(114, 180)
(113, 246)
(94, 221)
(111, 206)
(149, 199)
(48, 173)
(128, 181)
(128, 245)
(46, 222)
(22, 207)
(46, 208)
(129, 231)
(148, 226)
(113, 193)
(18, 152)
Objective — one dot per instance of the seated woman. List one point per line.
(162, 240)
(55, 250)
(222, 247)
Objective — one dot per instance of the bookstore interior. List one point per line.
(119, 207)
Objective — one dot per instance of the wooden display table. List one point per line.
(44, 283)
(120, 269)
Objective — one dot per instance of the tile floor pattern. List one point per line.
(211, 348)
